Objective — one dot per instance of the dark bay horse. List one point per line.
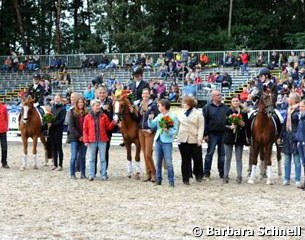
(129, 129)
(264, 134)
(30, 127)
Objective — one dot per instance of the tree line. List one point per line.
(94, 26)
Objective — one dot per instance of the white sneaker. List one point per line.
(286, 182)
(298, 184)
(59, 168)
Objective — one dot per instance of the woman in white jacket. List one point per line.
(190, 136)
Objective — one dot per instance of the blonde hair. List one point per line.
(295, 97)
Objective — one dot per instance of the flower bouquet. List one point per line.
(166, 122)
(48, 118)
(234, 119)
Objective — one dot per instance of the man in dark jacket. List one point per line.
(139, 84)
(215, 121)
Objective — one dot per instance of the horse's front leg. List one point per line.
(25, 152)
(262, 166)
(128, 149)
(253, 162)
(268, 151)
(43, 140)
(137, 158)
(35, 139)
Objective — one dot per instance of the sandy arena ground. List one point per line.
(44, 204)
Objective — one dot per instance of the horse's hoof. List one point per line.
(269, 182)
(22, 168)
(35, 167)
(137, 176)
(251, 181)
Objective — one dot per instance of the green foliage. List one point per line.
(93, 26)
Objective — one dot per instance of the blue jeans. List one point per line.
(78, 150)
(214, 140)
(301, 149)
(164, 150)
(244, 68)
(297, 164)
(238, 158)
(101, 146)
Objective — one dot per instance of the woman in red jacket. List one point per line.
(96, 125)
(3, 130)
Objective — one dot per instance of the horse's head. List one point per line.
(121, 105)
(266, 101)
(27, 104)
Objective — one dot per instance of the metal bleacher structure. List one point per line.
(11, 84)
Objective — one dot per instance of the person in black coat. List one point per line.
(56, 132)
(139, 84)
(36, 91)
(235, 135)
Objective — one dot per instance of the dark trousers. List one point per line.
(106, 156)
(56, 141)
(215, 140)
(189, 152)
(3, 140)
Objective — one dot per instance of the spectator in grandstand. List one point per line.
(56, 132)
(85, 62)
(226, 81)
(274, 60)
(204, 59)
(181, 71)
(215, 124)
(193, 60)
(114, 63)
(75, 138)
(159, 62)
(211, 78)
(238, 61)
(89, 94)
(164, 71)
(164, 139)
(4, 120)
(245, 58)
(146, 134)
(293, 58)
(111, 84)
(15, 60)
(139, 84)
(229, 60)
(128, 61)
(173, 96)
(96, 125)
(104, 62)
(142, 60)
(243, 96)
(287, 136)
(6, 65)
(36, 91)
(302, 59)
(235, 136)
(189, 89)
(149, 63)
(260, 60)
(189, 138)
(169, 55)
(98, 79)
(53, 64)
(161, 89)
(282, 61)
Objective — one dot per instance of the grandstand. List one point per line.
(13, 83)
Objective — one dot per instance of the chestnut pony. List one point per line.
(264, 134)
(30, 127)
(129, 129)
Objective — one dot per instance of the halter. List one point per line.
(117, 109)
(268, 109)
